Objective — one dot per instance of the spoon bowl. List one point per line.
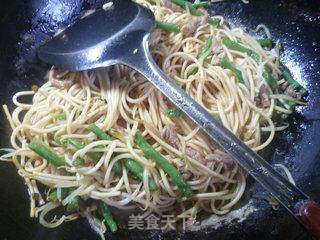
(100, 39)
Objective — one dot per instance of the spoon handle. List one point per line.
(286, 193)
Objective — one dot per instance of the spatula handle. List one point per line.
(291, 197)
(309, 215)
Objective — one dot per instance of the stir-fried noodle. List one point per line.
(238, 79)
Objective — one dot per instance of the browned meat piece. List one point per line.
(191, 152)
(171, 136)
(298, 95)
(59, 78)
(263, 98)
(194, 23)
(292, 93)
(220, 156)
(287, 89)
(284, 86)
(172, 6)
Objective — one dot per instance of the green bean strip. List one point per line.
(173, 112)
(291, 104)
(137, 170)
(62, 116)
(174, 174)
(78, 145)
(117, 166)
(265, 42)
(53, 196)
(103, 136)
(279, 117)
(188, 5)
(172, 27)
(271, 81)
(202, 4)
(74, 143)
(117, 169)
(57, 140)
(73, 205)
(214, 22)
(193, 71)
(108, 218)
(99, 133)
(289, 78)
(233, 45)
(79, 161)
(206, 48)
(47, 154)
(133, 166)
(225, 63)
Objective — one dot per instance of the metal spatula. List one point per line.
(119, 34)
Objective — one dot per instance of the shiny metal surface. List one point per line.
(99, 39)
(127, 43)
(255, 165)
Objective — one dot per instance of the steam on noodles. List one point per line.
(245, 88)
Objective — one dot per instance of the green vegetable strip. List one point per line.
(173, 112)
(172, 27)
(194, 71)
(103, 136)
(99, 133)
(188, 5)
(62, 116)
(108, 218)
(291, 104)
(79, 161)
(117, 169)
(288, 77)
(279, 117)
(57, 140)
(74, 143)
(266, 42)
(133, 166)
(271, 81)
(214, 22)
(174, 174)
(73, 205)
(225, 63)
(47, 154)
(53, 196)
(78, 145)
(205, 50)
(202, 4)
(137, 170)
(233, 45)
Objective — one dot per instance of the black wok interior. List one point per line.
(24, 24)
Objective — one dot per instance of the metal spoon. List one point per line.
(119, 34)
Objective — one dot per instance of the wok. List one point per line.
(26, 24)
